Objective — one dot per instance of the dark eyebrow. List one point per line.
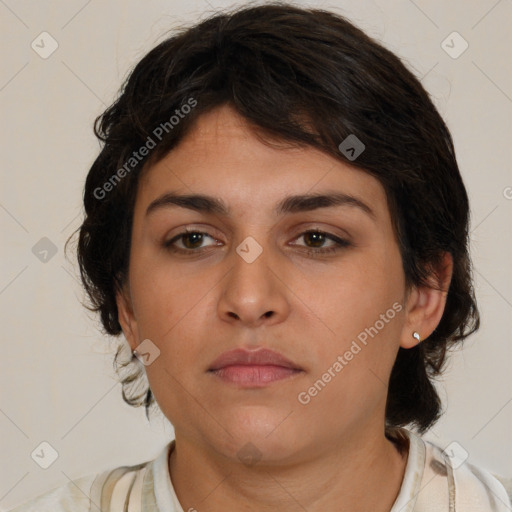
(290, 204)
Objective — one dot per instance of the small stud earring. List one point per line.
(416, 335)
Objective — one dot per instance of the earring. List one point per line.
(416, 335)
(135, 354)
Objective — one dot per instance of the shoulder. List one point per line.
(507, 485)
(71, 496)
(466, 486)
(99, 491)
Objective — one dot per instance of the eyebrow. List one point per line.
(290, 204)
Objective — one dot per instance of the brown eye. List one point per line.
(315, 240)
(191, 241)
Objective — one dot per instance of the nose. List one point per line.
(254, 293)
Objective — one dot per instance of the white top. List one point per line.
(434, 481)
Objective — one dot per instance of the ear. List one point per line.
(425, 304)
(126, 317)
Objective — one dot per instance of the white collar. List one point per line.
(429, 484)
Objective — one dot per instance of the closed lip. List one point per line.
(260, 357)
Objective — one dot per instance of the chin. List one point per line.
(262, 434)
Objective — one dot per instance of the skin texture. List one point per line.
(330, 454)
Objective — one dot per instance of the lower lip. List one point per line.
(254, 376)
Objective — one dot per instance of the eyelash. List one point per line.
(340, 243)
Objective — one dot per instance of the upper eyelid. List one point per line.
(311, 225)
(302, 232)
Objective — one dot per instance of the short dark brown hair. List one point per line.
(308, 77)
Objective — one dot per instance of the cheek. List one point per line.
(360, 311)
(353, 296)
(168, 305)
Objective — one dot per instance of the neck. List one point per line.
(357, 476)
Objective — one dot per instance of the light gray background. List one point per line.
(57, 382)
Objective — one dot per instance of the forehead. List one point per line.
(222, 156)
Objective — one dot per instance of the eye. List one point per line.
(190, 239)
(318, 238)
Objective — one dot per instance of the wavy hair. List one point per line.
(309, 77)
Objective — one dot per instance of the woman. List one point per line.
(277, 225)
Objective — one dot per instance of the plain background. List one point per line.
(57, 382)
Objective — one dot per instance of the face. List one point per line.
(257, 276)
